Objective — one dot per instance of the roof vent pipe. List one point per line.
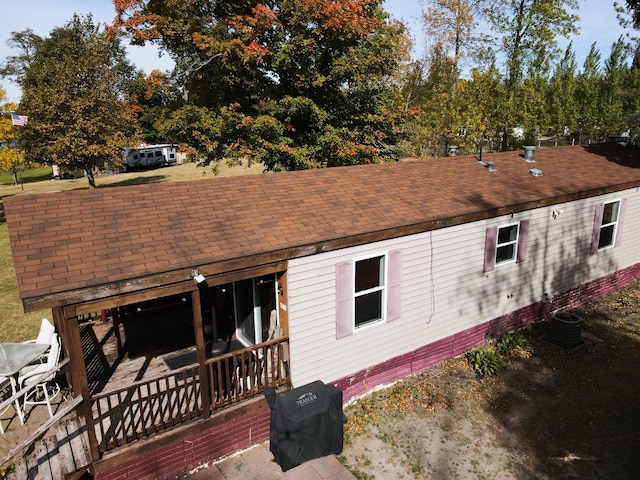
(528, 153)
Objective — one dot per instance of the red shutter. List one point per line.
(623, 207)
(344, 299)
(490, 249)
(597, 223)
(523, 241)
(394, 297)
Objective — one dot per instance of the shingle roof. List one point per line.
(90, 238)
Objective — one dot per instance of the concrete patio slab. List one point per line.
(258, 463)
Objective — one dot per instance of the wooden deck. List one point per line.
(154, 383)
(150, 386)
(61, 453)
(146, 350)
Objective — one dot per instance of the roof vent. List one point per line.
(490, 168)
(536, 172)
(528, 153)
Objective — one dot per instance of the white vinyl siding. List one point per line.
(444, 289)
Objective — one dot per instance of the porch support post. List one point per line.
(201, 354)
(70, 331)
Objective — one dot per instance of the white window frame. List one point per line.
(382, 287)
(504, 244)
(614, 224)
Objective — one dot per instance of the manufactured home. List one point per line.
(161, 155)
(177, 312)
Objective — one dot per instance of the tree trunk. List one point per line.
(91, 178)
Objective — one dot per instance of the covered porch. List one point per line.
(157, 361)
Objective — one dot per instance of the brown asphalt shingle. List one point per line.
(88, 238)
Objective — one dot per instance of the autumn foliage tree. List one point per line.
(11, 159)
(527, 31)
(150, 97)
(72, 93)
(293, 83)
(453, 36)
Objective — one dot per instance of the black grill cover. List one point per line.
(306, 423)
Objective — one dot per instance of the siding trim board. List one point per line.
(428, 356)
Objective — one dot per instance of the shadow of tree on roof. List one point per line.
(479, 201)
(136, 181)
(626, 156)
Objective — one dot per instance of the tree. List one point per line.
(561, 98)
(293, 83)
(629, 14)
(433, 128)
(525, 29)
(72, 92)
(451, 29)
(10, 157)
(151, 97)
(615, 70)
(15, 66)
(588, 84)
(482, 103)
(453, 25)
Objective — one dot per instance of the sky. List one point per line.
(598, 24)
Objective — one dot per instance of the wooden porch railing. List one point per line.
(158, 404)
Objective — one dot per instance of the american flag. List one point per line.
(18, 120)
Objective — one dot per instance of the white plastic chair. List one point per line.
(48, 388)
(47, 330)
(5, 383)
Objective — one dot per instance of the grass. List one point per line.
(28, 176)
(15, 324)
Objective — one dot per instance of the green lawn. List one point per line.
(28, 176)
(15, 325)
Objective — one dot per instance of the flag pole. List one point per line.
(17, 120)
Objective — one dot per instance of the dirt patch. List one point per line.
(554, 414)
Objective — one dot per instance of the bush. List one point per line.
(515, 344)
(485, 360)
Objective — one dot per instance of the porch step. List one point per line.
(61, 455)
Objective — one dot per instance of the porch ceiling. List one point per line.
(90, 244)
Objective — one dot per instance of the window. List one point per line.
(607, 225)
(369, 290)
(506, 244)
